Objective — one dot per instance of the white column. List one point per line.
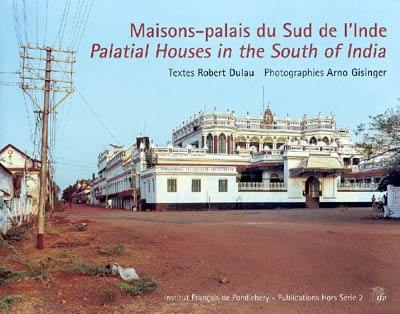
(265, 177)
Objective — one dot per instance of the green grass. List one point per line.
(114, 250)
(79, 267)
(7, 300)
(137, 287)
(108, 295)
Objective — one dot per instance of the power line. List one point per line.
(80, 22)
(36, 139)
(64, 123)
(84, 27)
(37, 22)
(76, 160)
(62, 22)
(97, 117)
(9, 83)
(65, 22)
(28, 117)
(16, 23)
(25, 20)
(75, 22)
(72, 164)
(45, 24)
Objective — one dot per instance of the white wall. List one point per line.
(33, 185)
(295, 186)
(191, 139)
(268, 197)
(154, 190)
(393, 202)
(329, 187)
(209, 189)
(6, 183)
(352, 196)
(13, 159)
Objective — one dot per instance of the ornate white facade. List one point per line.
(227, 133)
(223, 161)
(113, 183)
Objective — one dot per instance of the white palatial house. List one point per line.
(220, 161)
(190, 179)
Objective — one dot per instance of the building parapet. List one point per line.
(197, 169)
(230, 120)
(261, 186)
(197, 153)
(242, 154)
(358, 186)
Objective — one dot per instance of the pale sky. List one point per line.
(132, 96)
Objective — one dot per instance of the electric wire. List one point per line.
(97, 117)
(61, 23)
(85, 25)
(45, 24)
(25, 20)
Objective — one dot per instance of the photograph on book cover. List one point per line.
(199, 156)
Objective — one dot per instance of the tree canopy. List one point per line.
(381, 136)
(380, 141)
(67, 193)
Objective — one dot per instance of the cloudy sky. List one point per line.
(133, 96)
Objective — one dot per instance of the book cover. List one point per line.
(199, 156)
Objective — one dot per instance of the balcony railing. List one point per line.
(261, 186)
(327, 123)
(359, 186)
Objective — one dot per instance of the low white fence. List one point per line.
(261, 186)
(16, 212)
(359, 186)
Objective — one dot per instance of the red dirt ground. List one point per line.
(314, 252)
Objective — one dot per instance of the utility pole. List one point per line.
(43, 155)
(57, 78)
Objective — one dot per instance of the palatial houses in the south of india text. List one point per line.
(221, 161)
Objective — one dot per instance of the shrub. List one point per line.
(108, 295)
(136, 287)
(7, 275)
(83, 268)
(7, 300)
(114, 250)
(18, 233)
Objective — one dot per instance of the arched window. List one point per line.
(222, 144)
(280, 142)
(254, 146)
(274, 178)
(326, 140)
(268, 142)
(210, 143)
(313, 141)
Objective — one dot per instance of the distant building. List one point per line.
(82, 192)
(115, 178)
(25, 171)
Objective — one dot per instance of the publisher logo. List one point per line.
(378, 295)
